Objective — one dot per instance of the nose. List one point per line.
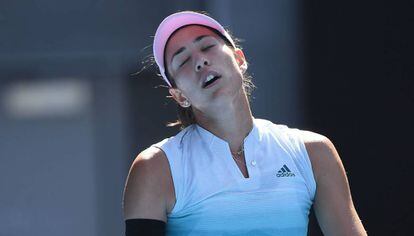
(201, 63)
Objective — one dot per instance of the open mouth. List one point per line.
(210, 79)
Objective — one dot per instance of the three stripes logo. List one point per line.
(285, 172)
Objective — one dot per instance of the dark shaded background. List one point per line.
(360, 91)
(341, 69)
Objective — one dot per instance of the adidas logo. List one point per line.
(285, 172)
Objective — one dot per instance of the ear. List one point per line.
(241, 60)
(179, 97)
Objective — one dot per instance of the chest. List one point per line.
(266, 191)
(269, 203)
(264, 168)
(240, 161)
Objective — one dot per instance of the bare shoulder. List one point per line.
(333, 205)
(148, 187)
(321, 151)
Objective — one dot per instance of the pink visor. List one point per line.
(175, 21)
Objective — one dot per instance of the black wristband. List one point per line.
(138, 227)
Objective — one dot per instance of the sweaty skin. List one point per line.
(223, 109)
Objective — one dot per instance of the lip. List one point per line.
(212, 84)
(208, 73)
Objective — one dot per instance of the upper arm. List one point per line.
(145, 193)
(333, 204)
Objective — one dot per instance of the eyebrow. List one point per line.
(180, 50)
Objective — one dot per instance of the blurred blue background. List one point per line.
(73, 113)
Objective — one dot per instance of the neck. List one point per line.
(231, 123)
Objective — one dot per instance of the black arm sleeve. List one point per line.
(138, 227)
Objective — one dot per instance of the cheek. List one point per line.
(187, 87)
(181, 78)
(230, 60)
(185, 78)
(182, 85)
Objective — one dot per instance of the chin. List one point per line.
(228, 91)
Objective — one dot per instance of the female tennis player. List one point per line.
(227, 172)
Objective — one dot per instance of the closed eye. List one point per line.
(207, 48)
(203, 50)
(188, 58)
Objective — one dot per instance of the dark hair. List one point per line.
(186, 115)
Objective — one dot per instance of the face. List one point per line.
(206, 71)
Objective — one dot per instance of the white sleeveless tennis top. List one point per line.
(214, 198)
